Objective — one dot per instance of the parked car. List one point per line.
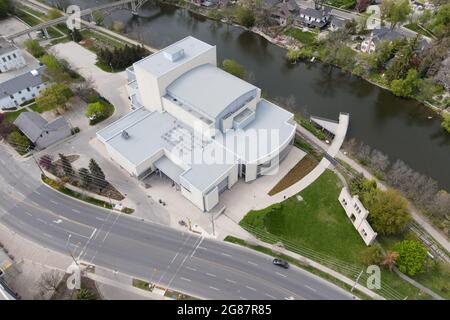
(281, 263)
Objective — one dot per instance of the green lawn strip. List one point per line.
(307, 38)
(108, 41)
(308, 148)
(310, 127)
(299, 264)
(74, 194)
(319, 227)
(141, 284)
(36, 108)
(11, 116)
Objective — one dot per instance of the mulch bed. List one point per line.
(300, 170)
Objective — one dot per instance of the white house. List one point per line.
(358, 215)
(197, 124)
(21, 88)
(11, 57)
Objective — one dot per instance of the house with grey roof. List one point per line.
(22, 88)
(196, 124)
(41, 132)
(10, 56)
(387, 34)
(311, 17)
(282, 11)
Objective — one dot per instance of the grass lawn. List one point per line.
(318, 222)
(37, 108)
(11, 116)
(109, 112)
(415, 27)
(307, 38)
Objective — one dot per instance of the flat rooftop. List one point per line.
(31, 64)
(208, 89)
(6, 46)
(159, 64)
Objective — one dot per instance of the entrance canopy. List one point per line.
(170, 169)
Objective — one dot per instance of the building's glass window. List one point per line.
(28, 89)
(9, 58)
(14, 55)
(4, 59)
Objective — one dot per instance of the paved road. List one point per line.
(183, 261)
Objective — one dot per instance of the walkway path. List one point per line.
(422, 221)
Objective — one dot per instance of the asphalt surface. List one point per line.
(180, 260)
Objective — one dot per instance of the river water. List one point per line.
(398, 127)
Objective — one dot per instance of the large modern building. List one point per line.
(197, 124)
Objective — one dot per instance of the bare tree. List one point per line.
(379, 161)
(49, 281)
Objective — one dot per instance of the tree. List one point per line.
(96, 109)
(6, 6)
(362, 5)
(245, 16)
(446, 122)
(411, 256)
(118, 26)
(439, 23)
(34, 48)
(54, 97)
(75, 35)
(389, 259)
(66, 166)
(18, 141)
(98, 17)
(388, 211)
(46, 162)
(345, 58)
(405, 59)
(406, 87)
(378, 161)
(396, 11)
(98, 177)
(85, 176)
(372, 255)
(49, 281)
(55, 69)
(233, 67)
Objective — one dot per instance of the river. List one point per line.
(398, 127)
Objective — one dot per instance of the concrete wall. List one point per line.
(357, 215)
(153, 88)
(211, 199)
(121, 161)
(195, 196)
(8, 62)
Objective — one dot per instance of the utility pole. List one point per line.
(357, 279)
(70, 252)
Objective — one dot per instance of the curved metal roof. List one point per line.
(208, 89)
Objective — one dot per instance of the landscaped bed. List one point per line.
(300, 170)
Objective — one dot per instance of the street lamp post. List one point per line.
(70, 252)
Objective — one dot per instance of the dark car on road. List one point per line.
(281, 263)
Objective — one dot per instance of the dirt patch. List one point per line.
(300, 170)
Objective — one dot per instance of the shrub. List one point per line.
(372, 255)
(34, 48)
(412, 255)
(245, 17)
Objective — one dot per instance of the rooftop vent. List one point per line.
(125, 135)
(34, 72)
(173, 53)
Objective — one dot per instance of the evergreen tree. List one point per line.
(86, 179)
(66, 166)
(98, 176)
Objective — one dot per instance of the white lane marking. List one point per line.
(280, 274)
(226, 254)
(37, 192)
(173, 259)
(252, 263)
(100, 219)
(40, 220)
(251, 288)
(47, 235)
(34, 202)
(210, 274)
(242, 298)
(270, 296)
(57, 221)
(54, 202)
(289, 298)
(203, 248)
(75, 210)
(192, 269)
(28, 214)
(214, 288)
(312, 289)
(196, 247)
(185, 279)
(230, 281)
